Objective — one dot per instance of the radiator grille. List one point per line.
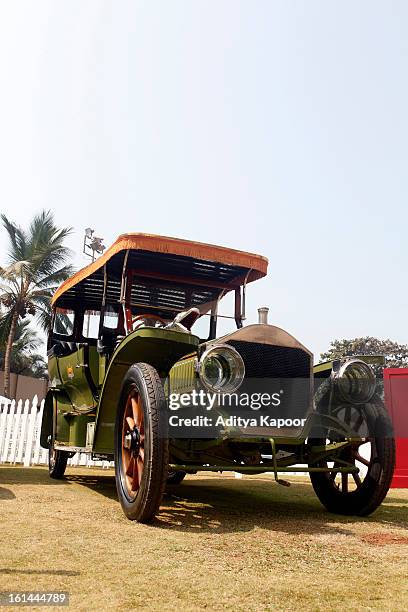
(265, 360)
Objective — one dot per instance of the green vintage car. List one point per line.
(131, 381)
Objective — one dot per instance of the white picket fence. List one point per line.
(20, 427)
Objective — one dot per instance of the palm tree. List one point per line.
(36, 266)
(25, 358)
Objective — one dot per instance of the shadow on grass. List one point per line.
(39, 476)
(396, 500)
(6, 494)
(35, 572)
(105, 485)
(233, 506)
(227, 505)
(27, 476)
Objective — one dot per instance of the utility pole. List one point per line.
(92, 245)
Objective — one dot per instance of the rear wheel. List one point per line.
(141, 443)
(176, 477)
(374, 454)
(57, 461)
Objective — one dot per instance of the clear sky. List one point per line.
(278, 127)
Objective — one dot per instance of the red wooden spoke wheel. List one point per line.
(141, 443)
(133, 442)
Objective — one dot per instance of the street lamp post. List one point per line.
(92, 245)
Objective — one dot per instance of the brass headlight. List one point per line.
(355, 382)
(221, 368)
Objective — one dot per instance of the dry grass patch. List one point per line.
(218, 543)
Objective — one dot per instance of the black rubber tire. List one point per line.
(371, 492)
(57, 461)
(176, 477)
(144, 379)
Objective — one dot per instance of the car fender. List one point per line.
(55, 398)
(158, 347)
(47, 419)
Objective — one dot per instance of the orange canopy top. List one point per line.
(237, 266)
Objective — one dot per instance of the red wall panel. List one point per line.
(396, 400)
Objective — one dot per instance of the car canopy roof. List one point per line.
(168, 273)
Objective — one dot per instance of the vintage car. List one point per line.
(131, 382)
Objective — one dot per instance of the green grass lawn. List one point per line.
(218, 543)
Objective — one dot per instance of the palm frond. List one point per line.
(49, 259)
(45, 244)
(17, 268)
(43, 316)
(55, 278)
(26, 339)
(17, 238)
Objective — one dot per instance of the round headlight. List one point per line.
(221, 368)
(355, 382)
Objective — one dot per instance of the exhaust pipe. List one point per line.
(263, 315)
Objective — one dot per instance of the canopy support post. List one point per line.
(238, 307)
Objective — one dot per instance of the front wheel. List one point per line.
(141, 443)
(374, 454)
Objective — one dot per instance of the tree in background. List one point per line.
(25, 357)
(396, 355)
(37, 264)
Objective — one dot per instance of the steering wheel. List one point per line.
(147, 320)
